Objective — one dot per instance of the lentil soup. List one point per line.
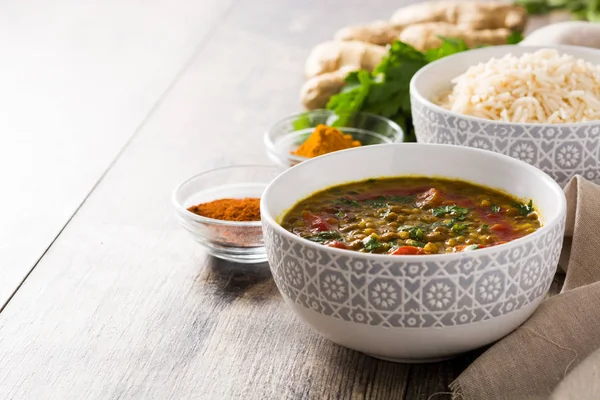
(411, 215)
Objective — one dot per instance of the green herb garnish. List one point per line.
(580, 9)
(471, 247)
(371, 243)
(378, 202)
(385, 91)
(401, 199)
(323, 237)
(515, 38)
(302, 122)
(484, 227)
(448, 47)
(416, 243)
(460, 228)
(416, 233)
(340, 214)
(495, 208)
(459, 213)
(524, 209)
(346, 202)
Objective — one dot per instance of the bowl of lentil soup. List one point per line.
(356, 251)
(300, 137)
(220, 208)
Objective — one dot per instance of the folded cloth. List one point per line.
(531, 362)
(583, 383)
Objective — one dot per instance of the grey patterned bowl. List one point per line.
(560, 150)
(414, 308)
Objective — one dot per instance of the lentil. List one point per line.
(407, 216)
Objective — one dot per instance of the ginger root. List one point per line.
(378, 32)
(473, 15)
(317, 91)
(427, 35)
(333, 55)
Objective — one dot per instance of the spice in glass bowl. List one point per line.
(325, 139)
(247, 209)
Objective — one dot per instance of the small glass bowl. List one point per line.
(289, 133)
(241, 242)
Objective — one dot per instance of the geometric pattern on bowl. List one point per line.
(392, 293)
(561, 151)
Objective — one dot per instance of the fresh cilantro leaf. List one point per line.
(484, 227)
(302, 122)
(495, 208)
(416, 233)
(459, 213)
(448, 47)
(593, 11)
(412, 242)
(378, 202)
(580, 9)
(346, 202)
(340, 214)
(448, 224)
(515, 38)
(399, 52)
(386, 91)
(535, 6)
(371, 243)
(524, 209)
(323, 237)
(460, 228)
(401, 199)
(350, 100)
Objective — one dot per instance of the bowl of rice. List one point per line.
(538, 104)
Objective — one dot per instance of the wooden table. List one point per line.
(106, 107)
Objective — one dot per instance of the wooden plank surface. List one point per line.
(124, 305)
(77, 79)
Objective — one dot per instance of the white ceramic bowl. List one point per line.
(414, 308)
(560, 150)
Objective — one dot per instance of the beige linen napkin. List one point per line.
(533, 360)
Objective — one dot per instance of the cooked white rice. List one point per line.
(540, 87)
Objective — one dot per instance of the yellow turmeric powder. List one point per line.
(323, 140)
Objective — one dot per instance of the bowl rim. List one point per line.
(267, 218)
(185, 213)
(430, 104)
(270, 145)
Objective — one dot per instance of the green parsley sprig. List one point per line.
(580, 9)
(459, 213)
(524, 209)
(385, 91)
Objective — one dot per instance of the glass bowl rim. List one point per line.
(270, 144)
(185, 213)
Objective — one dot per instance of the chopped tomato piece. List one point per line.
(501, 228)
(316, 222)
(403, 192)
(336, 244)
(407, 250)
(432, 198)
(493, 216)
